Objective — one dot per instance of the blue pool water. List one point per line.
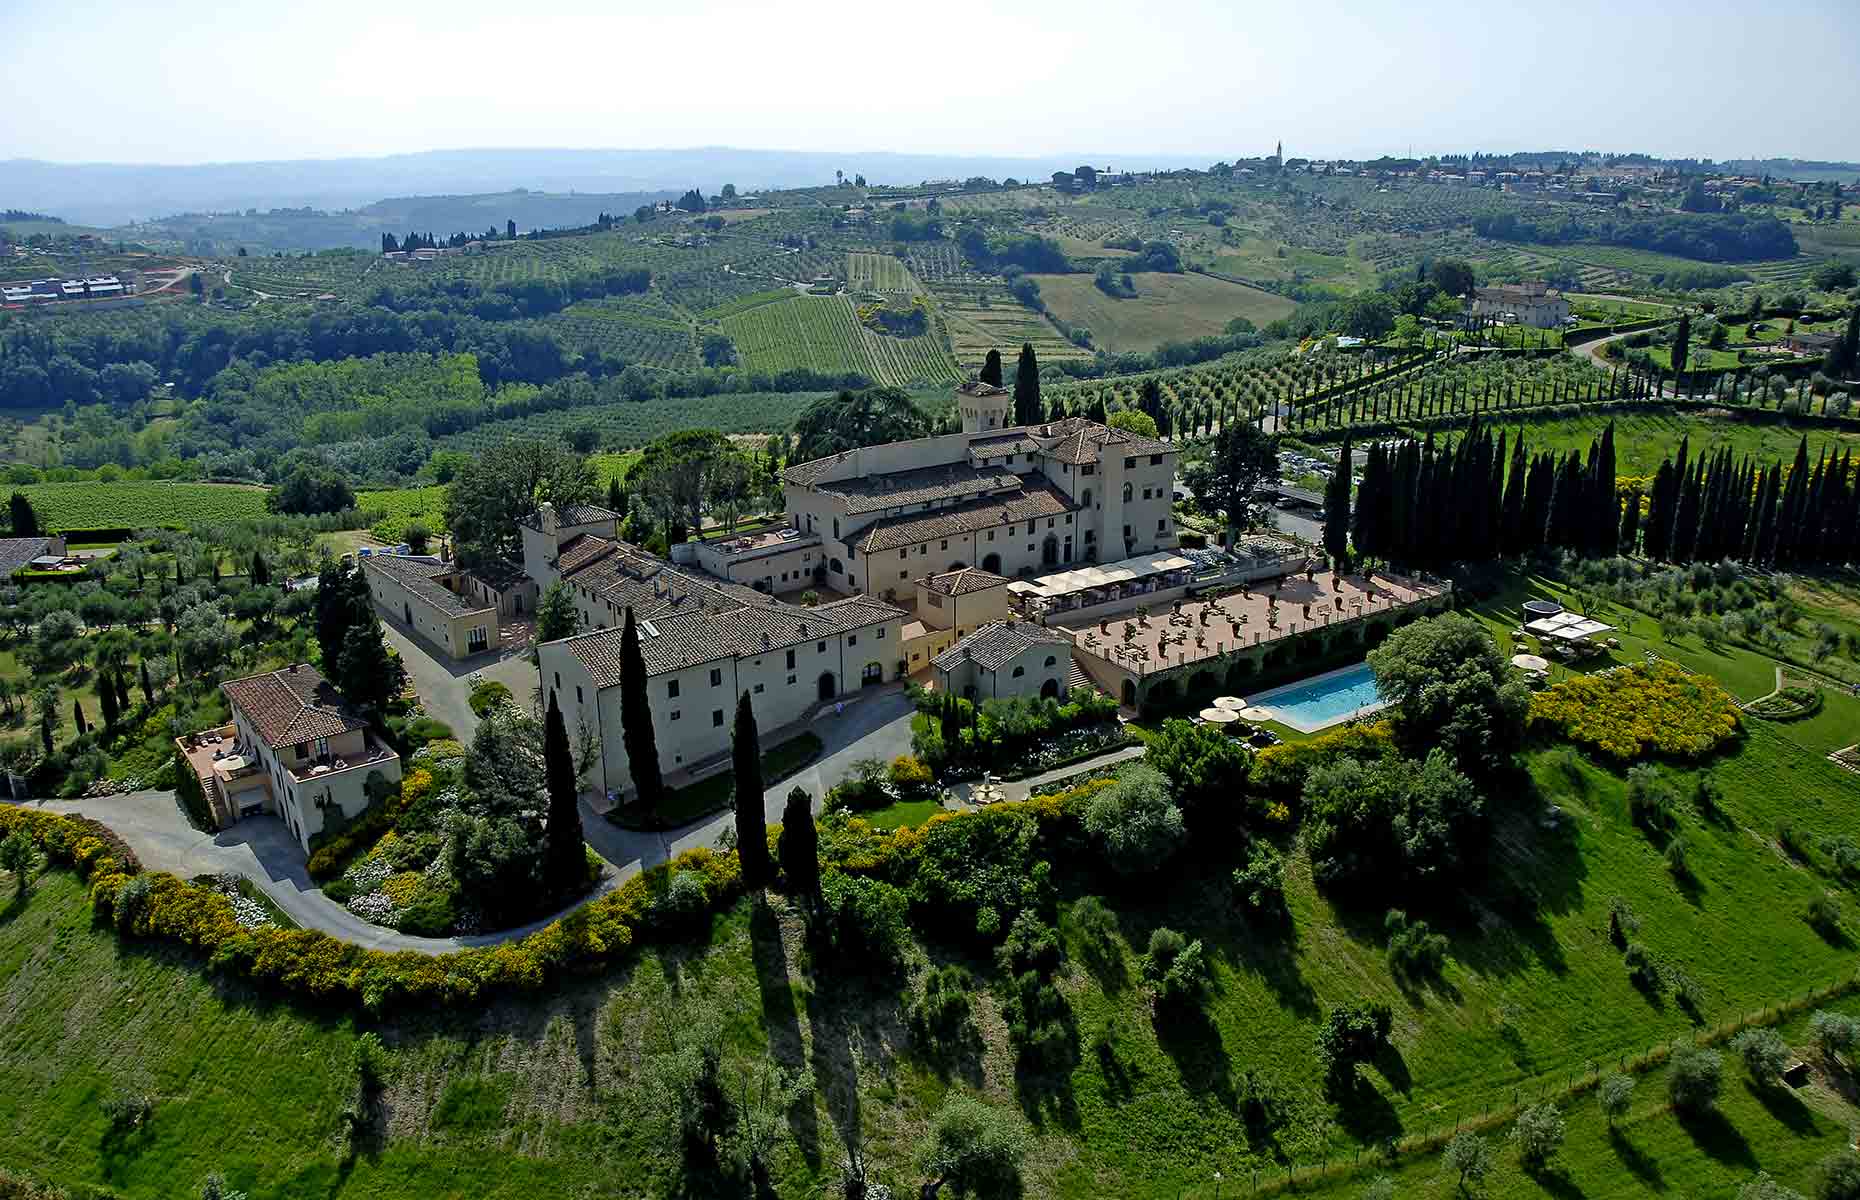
(1325, 700)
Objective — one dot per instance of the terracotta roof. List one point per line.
(574, 514)
(1038, 499)
(920, 485)
(996, 447)
(998, 643)
(963, 582)
(580, 550)
(17, 552)
(420, 576)
(1077, 440)
(976, 387)
(290, 706)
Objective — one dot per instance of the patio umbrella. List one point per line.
(1530, 662)
(1230, 703)
(1254, 712)
(1219, 716)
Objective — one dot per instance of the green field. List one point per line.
(1643, 439)
(1167, 308)
(128, 504)
(867, 272)
(823, 333)
(633, 423)
(391, 510)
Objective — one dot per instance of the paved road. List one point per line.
(445, 688)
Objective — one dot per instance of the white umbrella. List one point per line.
(1254, 712)
(1219, 716)
(1230, 703)
(1529, 662)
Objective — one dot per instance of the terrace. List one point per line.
(371, 753)
(768, 541)
(1194, 631)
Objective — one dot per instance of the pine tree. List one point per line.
(642, 745)
(991, 368)
(800, 847)
(752, 834)
(565, 863)
(1337, 511)
(1027, 410)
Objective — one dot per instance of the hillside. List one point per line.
(1166, 308)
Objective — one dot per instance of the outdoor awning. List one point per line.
(1568, 627)
(1129, 570)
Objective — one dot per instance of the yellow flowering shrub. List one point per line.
(400, 888)
(1640, 710)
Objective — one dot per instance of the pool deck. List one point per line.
(1284, 717)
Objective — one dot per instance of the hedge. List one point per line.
(313, 964)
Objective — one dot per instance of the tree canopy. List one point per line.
(851, 419)
(503, 487)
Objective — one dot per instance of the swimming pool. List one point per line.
(1323, 700)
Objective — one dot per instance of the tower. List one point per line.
(984, 406)
(1278, 154)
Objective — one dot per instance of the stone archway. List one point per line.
(829, 686)
(992, 564)
(1049, 690)
(1128, 693)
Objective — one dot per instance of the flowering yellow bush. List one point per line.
(400, 888)
(1640, 710)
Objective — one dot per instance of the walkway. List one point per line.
(1021, 789)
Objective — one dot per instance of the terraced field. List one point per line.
(823, 333)
(867, 272)
(638, 329)
(632, 423)
(340, 274)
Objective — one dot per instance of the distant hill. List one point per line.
(1803, 169)
(119, 193)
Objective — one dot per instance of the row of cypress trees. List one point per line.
(1422, 505)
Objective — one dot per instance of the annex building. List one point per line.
(1535, 304)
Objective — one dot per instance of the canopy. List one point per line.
(1219, 716)
(1065, 583)
(1568, 627)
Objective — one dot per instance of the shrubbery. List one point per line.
(1638, 710)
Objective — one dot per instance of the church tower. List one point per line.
(984, 406)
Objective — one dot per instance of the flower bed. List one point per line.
(1790, 704)
(1640, 710)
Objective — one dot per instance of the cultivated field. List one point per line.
(1167, 308)
(141, 504)
(824, 334)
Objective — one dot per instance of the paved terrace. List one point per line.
(1188, 631)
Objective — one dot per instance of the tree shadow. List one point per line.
(1642, 1165)
(1363, 1112)
(1390, 1064)
(1786, 1107)
(119, 1148)
(1043, 1075)
(1185, 1033)
(1690, 886)
(1714, 1134)
(781, 1021)
(1558, 1182)
(1119, 1080)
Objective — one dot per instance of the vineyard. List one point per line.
(822, 333)
(338, 273)
(985, 318)
(1166, 308)
(866, 272)
(629, 423)
(391, 510)
(138, 504)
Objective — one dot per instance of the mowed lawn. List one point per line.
(1167, 308)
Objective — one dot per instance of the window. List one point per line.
(945, 544)
(1019, 671)
(1049, 522)
(880, 635)
(903, 575)
(1155, 460)
(1130, 463)
(1162, 525)
(836, 527)
(1052, 660)
(790, 681)
(791, 660)
(904, 554)
(1126, 532)
(1089, 469)
(923, 549)
(820, 648)
(1085, 500)
(578, 699)
(676, 714)
(671, 689)
(1068, 518)
(991, 535)
(716, 718)
(758, 689)
(1146, 493)
(558, 679)
(716, 677)
(852, 639)
(303, 751)
(1128, 493)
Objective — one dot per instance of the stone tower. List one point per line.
(984, 406)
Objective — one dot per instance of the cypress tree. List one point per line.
(1337, 511)
(565, 863)
(1793, 508)
(106, 698)
(1604, 508)
(642, 744)
(45, 728)
(800, 847)
(77, 717)
(991, 368)
(148, 691)
(752, 834)
(1511, 538)
(122, 689)
(261, 574)
(1027, 410)
(25, 519)
(1630, 524)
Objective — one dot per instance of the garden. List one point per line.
(958, 738)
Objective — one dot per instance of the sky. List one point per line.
(1169, 83)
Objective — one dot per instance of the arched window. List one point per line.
(1052, 660)
(1085, 499)
(1019, 671)
(837, 567)
(1128, 493)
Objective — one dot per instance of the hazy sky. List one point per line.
(1165, 82)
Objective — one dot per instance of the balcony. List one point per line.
(308, 770)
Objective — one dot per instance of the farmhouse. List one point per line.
(294, 749)
(1535, 304)
(18, 553)
(1809, 342)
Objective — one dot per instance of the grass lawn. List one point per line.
(905, 812)
(1167, 308)
(714, 793)
(1643, 439)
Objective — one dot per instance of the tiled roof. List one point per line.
(580, 550)
(998, 643)
(1015, 443)
(498, 574)
(963, 582)
(420, 576)
(1037, 499)
(920, 485)
(17, 552)
(976, 387)
(1077, 440)
(696, 636)
(574, 514)
(291, 706)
